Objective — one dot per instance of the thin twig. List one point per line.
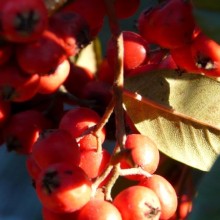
(108, 112)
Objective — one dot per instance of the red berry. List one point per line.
(63, 188)
(165, 192)
(135, 51)
(170, 24)
(51, 82)
(15, 85)
(41, 56)
(206, 54)
(144, 153)
(94, 162)
(23, 129)
(79, 122)
(97, 209)
(24, 21)
(138, 202)
(54, 147)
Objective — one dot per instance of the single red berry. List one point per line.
(24, 21)
(94, 162)
(170, 24)
(23, 129)
(55, 146)
(165, 192)
(143, 153)
(80, 122)
(63, 188)
(51, 82)
(41, 56)
(97, 209)
(15, 85)
(138, 202)
(135, 50)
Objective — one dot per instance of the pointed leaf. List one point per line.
(179, 119)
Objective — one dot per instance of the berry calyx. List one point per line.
(63, 188)
(165, 192)
(138, 202)
(23, 21)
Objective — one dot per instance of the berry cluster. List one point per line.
(66, 165)
(72, 171)
(190, 49)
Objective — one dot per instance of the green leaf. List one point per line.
(209, 22)
(180, 112)
(206, 204)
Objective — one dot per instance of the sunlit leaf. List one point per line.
(206, 204)
(90, 56)
(191, 94)
(183, 118)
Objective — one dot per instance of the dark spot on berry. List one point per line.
(83, 37)
(50, 181)
(26, 22)
(153, 211)
(204, 62)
